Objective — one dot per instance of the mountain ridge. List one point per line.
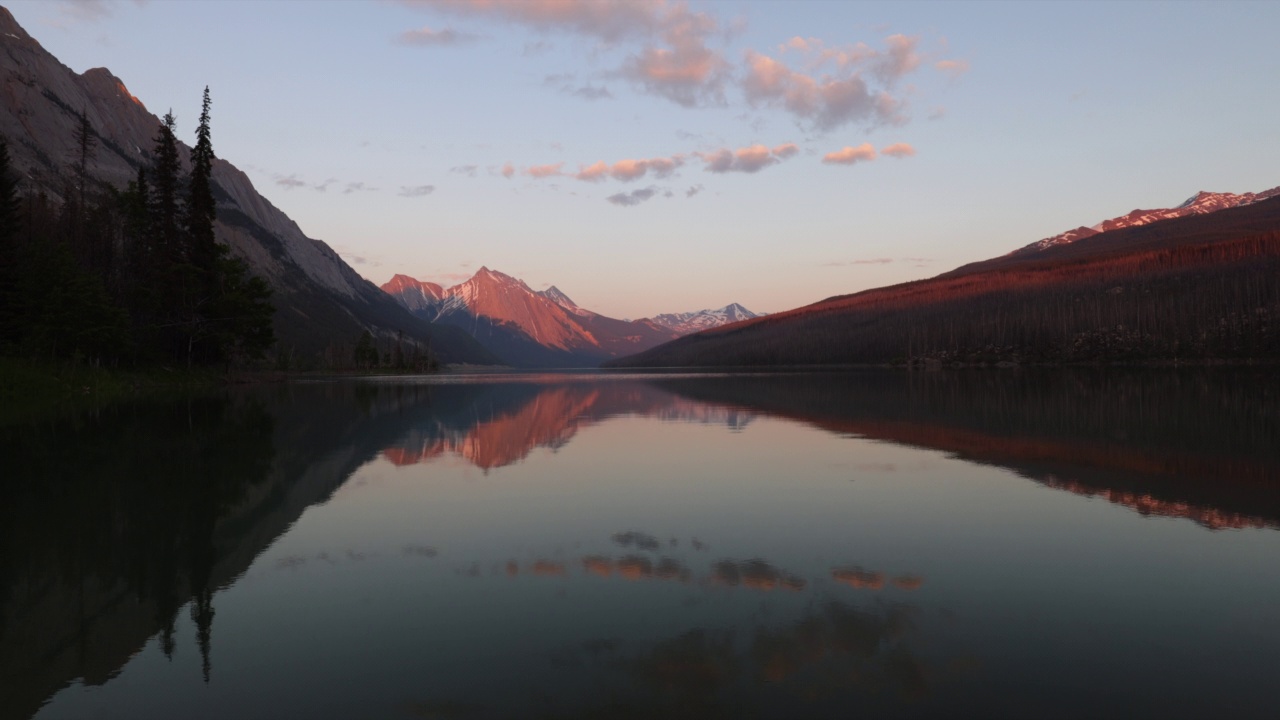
(1199, 286)
(1202, 203)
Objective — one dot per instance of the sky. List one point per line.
(661, 156)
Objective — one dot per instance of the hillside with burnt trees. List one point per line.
(1198, 289)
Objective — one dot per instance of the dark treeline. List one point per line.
(1189, 302)
(370, 354)
(126, 275)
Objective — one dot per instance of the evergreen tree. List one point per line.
(201, 208)
(164, 178)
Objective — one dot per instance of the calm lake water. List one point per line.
(972, 543)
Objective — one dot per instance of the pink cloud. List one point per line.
(508, 170)
(749, 159)
(542, 171)
(594, 173)
(899, 59)
(674, 61)
(606, 21)
(786, 150)
(849, 155)
(827, 103)
(689, 74)
(953, 68)
(800, 44)
(628, 170)
(898, 150)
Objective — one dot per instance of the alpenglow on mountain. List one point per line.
(528, 328)
(322, 304)
(1202, 203)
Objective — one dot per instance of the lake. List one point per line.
(1012, 543)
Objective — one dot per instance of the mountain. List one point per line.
(321, 303)
(691, 322)
(414, 294)
(1200, 287)
(1199, 204)
(555, 295)
(523, 327)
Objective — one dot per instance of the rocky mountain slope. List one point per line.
(322, 303)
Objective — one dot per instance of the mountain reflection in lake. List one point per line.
(998, 544)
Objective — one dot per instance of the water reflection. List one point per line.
(110, 528)
(123, 535)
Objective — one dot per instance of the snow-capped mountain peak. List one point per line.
(691, 322)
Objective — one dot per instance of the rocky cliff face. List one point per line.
(321, 301)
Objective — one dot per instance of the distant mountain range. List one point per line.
(321, 302)
(697, 321)
(1195, 282)
(545, 328)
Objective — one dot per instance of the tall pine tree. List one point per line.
(165, 174)
(201, 208)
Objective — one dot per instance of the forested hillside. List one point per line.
(1199, 288)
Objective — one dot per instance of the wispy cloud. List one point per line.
(898, 150)
(635, 197)
(952, 68)
(867, 261)
(567, 84)
(539, 47)
(416, 190)
(898, 59)
(694, 190)
(289, 182)
(70, 12)
(544, 171)
(593, 92)
(426, 37)
(628, 170)
(749, 159)
(848, 155)
(468, 170)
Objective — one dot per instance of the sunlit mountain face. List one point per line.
(680, 545)
(545, 328)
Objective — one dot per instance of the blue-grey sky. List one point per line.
(660, 156)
